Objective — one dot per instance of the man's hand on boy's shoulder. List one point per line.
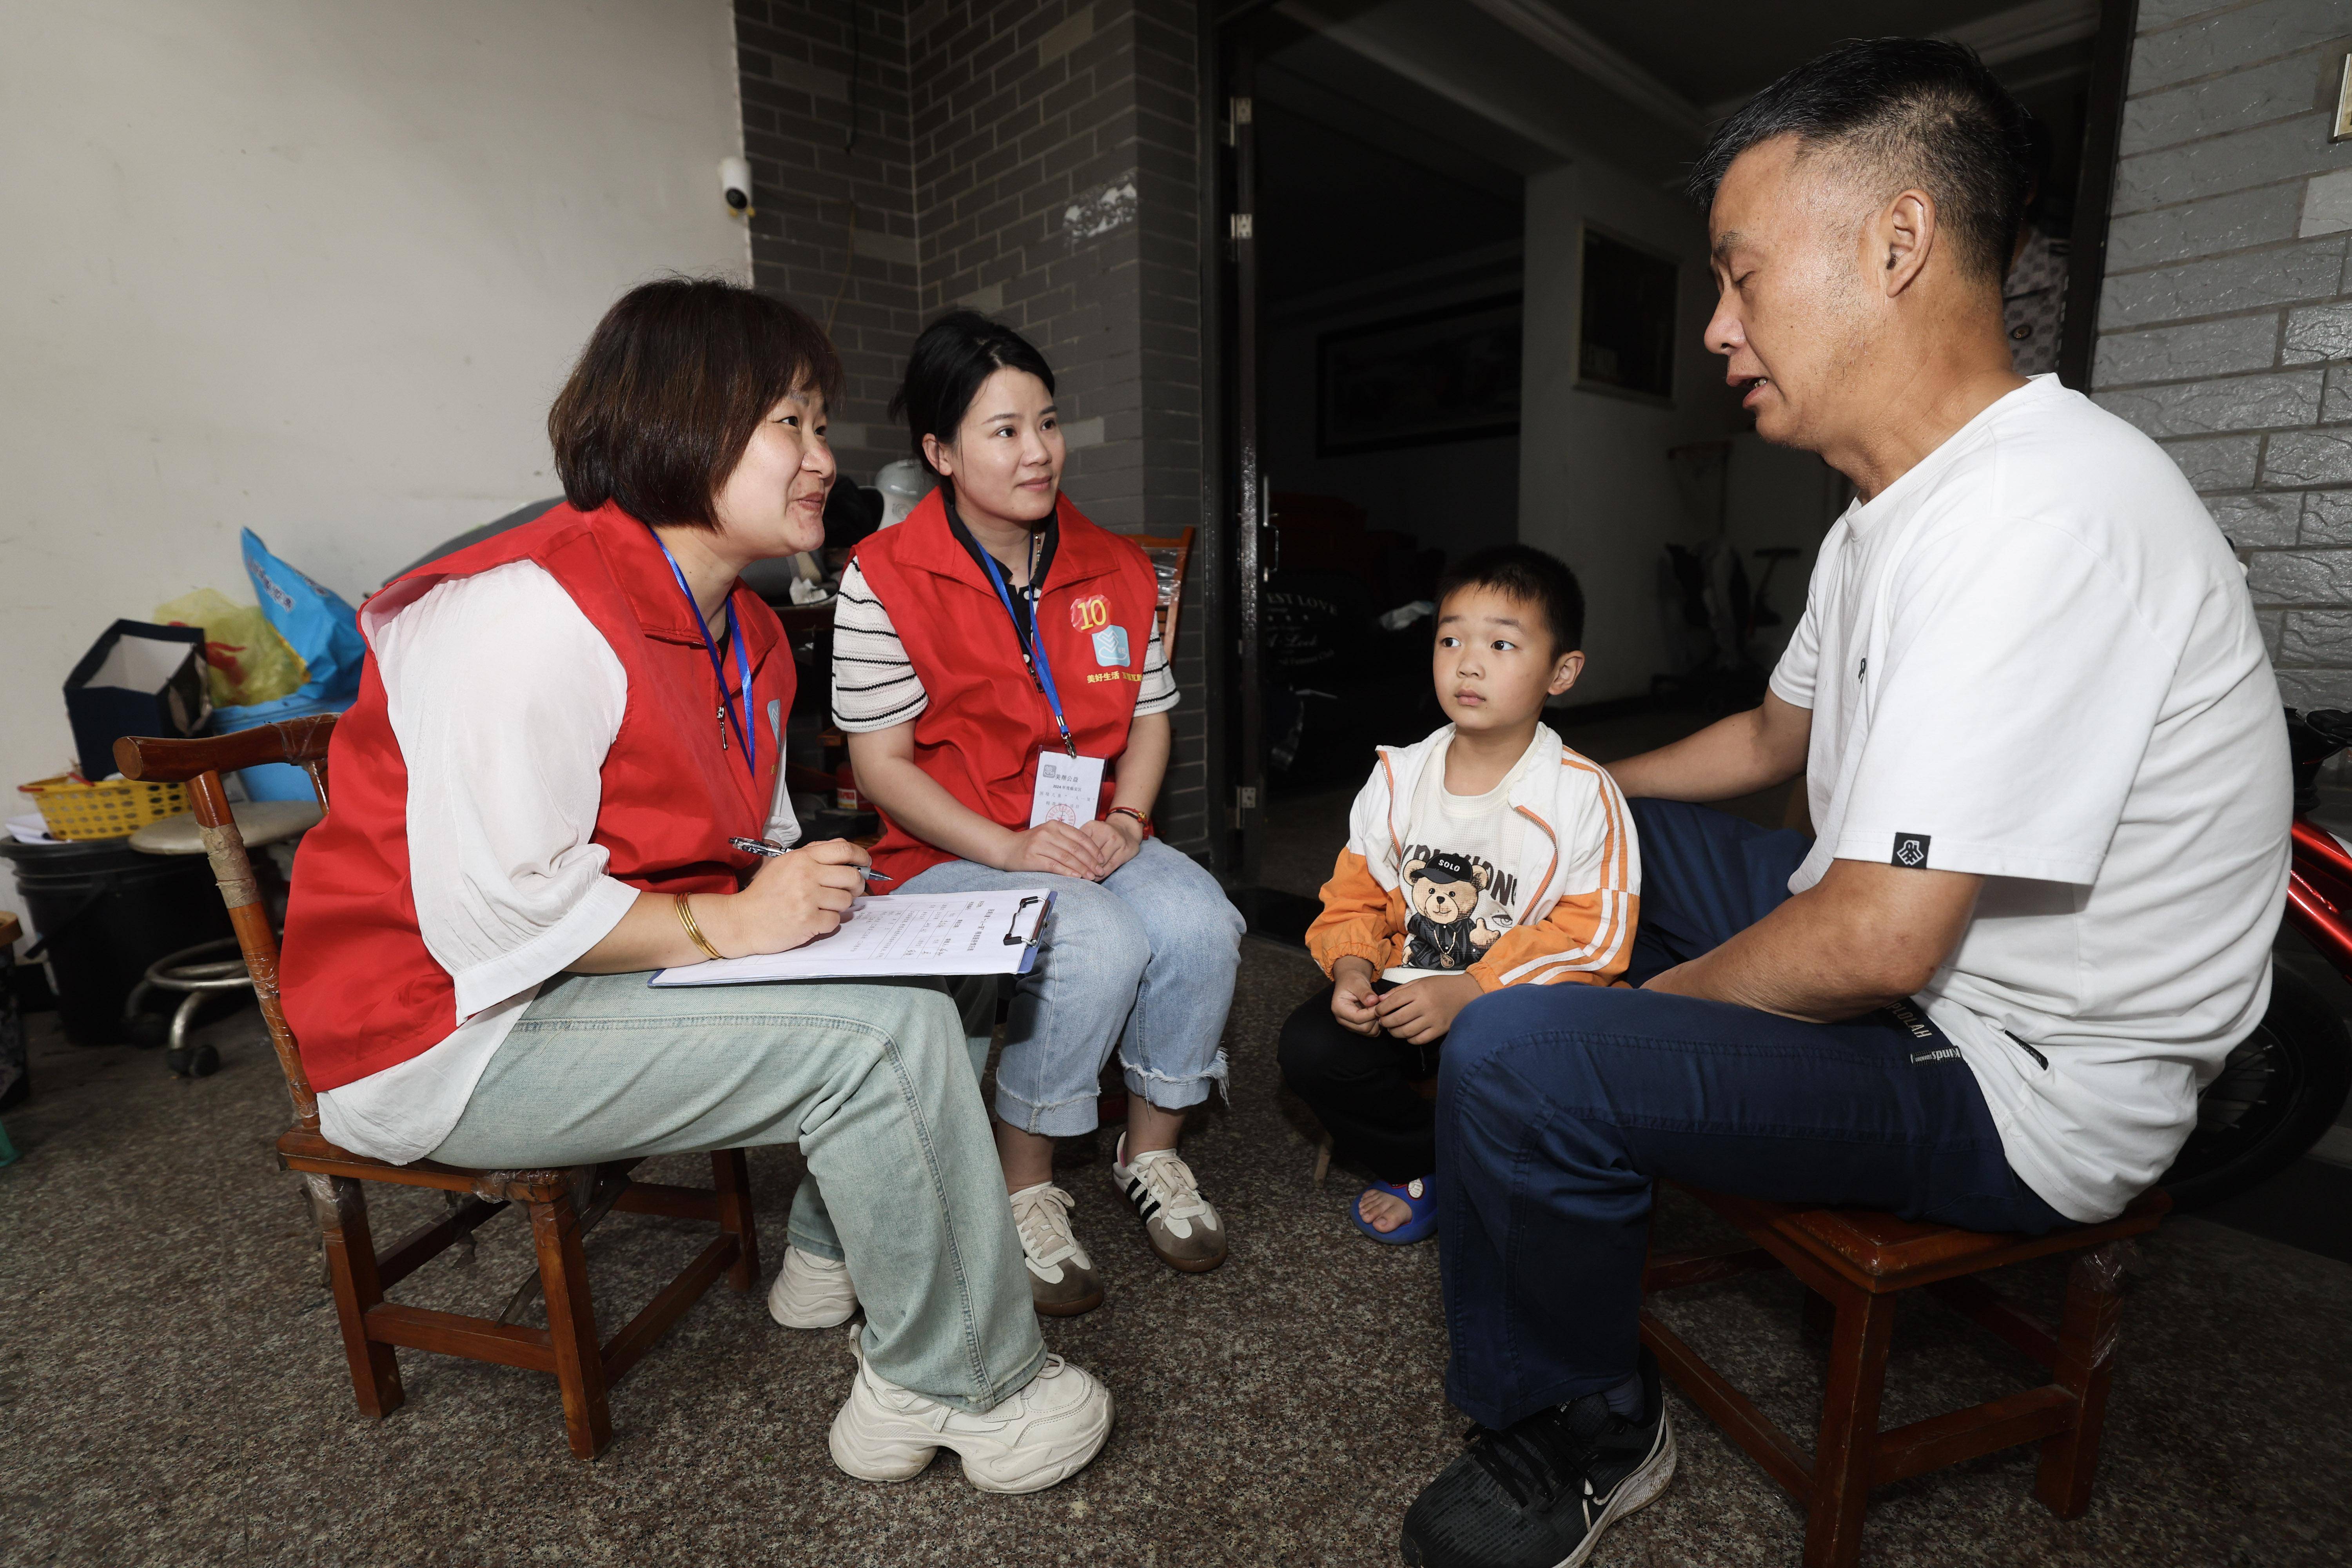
(1354, 1002)
(1421, 1011)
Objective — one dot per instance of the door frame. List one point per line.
(1234, 501)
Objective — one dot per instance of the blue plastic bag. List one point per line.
(325, 632)
(321, 629)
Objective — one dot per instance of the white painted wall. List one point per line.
(1596, 488)
(316, 266)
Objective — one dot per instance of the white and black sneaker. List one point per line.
(1063, 1282)
(1540, 1493)
(1181, 1224)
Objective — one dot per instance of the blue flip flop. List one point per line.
(1419, 1194)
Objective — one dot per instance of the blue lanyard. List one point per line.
(743, 731)
(1033, 648)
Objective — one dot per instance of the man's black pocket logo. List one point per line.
(1911, 850)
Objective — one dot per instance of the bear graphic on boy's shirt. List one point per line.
(1444, 890)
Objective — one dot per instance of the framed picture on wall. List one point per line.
(1625, 330)
(1449, 374)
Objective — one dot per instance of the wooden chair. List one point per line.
(1171, 556)
(561, 1203)
(1854, 1266)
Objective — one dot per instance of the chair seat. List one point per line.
(1881, 1253)
(260, 821)
(301, 1149)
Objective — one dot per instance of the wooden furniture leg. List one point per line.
(2086, 1342)
(730, 1176)
(572, 1326)
(1818, 1316)
(340, 1205)
(1843, 1457)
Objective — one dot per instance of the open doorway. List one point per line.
(1467, 294)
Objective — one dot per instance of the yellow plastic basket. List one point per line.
(114, 809)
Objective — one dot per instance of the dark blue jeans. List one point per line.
(1559, 1105)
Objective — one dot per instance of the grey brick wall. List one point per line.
(1036, 161)
(834, 225)
(1055, 187)
(2226, 320)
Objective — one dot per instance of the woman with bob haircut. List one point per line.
(558, 731)
(1006, 698)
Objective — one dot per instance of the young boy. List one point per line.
(1487, 855)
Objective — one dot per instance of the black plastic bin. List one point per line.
(105, 912)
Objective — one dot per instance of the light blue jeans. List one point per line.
(1143, 961)
(872, 1081)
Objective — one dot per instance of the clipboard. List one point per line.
(902, 934)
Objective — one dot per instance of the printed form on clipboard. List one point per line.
(905, 934)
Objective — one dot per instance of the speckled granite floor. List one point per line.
(172, 1391)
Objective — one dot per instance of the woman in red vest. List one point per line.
(996, 666)
(559, 730)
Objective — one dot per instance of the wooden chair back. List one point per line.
(199, 763)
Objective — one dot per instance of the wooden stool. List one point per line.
(1858, 1263)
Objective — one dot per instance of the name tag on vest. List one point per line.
(1069, 789)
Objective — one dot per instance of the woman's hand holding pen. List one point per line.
(790, 900)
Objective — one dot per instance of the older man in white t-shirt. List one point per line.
(2045, 758)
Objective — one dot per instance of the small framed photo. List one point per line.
(1625, 327)
(1448, 374)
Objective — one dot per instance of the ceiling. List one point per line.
(1328, 203)
(1525, 85)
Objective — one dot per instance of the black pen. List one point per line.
(762, 847)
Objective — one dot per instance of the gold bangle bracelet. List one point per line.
(685, 919)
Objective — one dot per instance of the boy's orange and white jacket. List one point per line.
(1579, 878)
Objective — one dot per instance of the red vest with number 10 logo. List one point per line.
(980, 734)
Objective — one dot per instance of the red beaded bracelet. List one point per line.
(1141, 820)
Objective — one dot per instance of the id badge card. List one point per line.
(1069, 789)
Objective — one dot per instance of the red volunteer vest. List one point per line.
(979, 735)
(362, 992)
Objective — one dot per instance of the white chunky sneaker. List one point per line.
(1062, 1279)
(812, 1293)
(1177, 1220)
(1041, 1435)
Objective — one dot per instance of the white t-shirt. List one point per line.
(497, 677)
(2033, 658)
(1460, 851)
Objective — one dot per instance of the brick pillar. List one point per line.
(2226, 320)
(1056, 189)
(1038, 163)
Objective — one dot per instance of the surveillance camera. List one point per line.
(735, 184)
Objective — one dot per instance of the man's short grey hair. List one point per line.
(1902, 112)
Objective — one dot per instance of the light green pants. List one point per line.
(871, 1081)
(812, 1229)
